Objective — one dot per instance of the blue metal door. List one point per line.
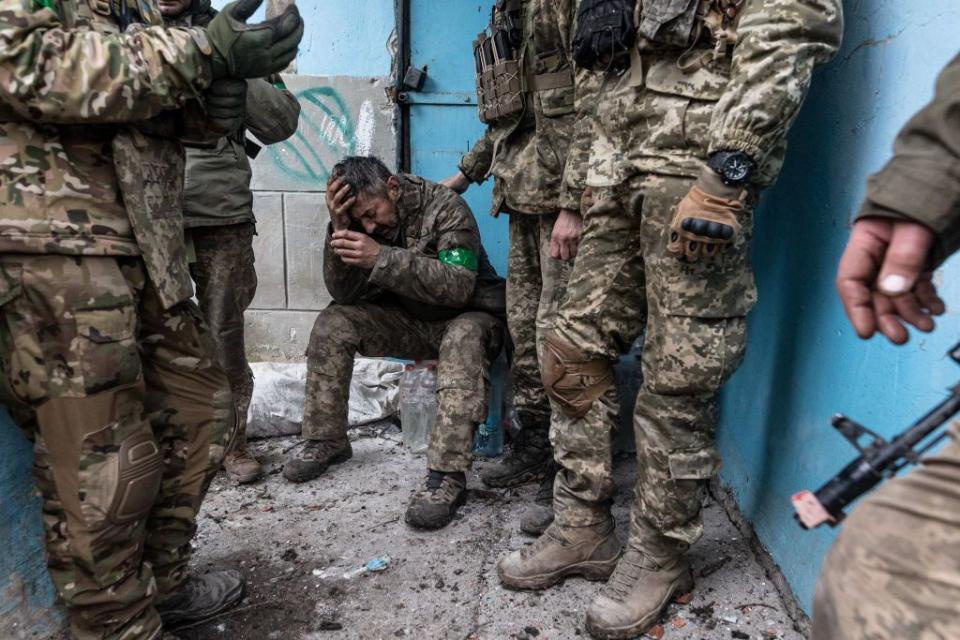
(443, 122)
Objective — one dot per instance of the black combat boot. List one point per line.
(539, 515)
(201, 598)
(436, 501)
(528, 457)
(312, 458)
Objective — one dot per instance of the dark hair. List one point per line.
(366, 174)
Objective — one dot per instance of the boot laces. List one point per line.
(629, 569)
(318, 450)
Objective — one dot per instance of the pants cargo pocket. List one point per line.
(107, 347)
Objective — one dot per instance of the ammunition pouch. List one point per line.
(570, 378)
(500, 82)
(605, 33)
(705, 28)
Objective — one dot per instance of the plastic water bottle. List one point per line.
(488, 442)
(409, 403)
(427, 399)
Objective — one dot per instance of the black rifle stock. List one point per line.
(878, 460)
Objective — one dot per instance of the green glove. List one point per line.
(256, 50)
(226, 103)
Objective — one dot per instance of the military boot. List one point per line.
(538, 516)
(312, 457)
(636, 594)
(590, 552)
(527, 459)
(201, 598)
(435, 502)
(241, 466)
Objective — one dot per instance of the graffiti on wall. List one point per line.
(327, 132)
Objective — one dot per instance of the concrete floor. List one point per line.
(295, 543)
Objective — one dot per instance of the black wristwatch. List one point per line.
(734, 167)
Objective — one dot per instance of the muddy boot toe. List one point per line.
(435, 502)
(200, 598)
(312, 458)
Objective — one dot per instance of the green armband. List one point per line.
(459, 257)
(47, 4)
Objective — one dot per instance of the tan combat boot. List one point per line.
(242, 466)
(636, 594)
(590, 552)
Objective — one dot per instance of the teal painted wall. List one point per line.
(803, 362)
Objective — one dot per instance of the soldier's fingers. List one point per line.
(905, 258)
(927, 295)
(908, 308)
(888, 322)
(858, 304)
(554, 249)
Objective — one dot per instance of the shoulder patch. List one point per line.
(459, 257)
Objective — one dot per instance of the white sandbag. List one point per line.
(276, 408)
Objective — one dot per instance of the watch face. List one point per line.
(737, 168)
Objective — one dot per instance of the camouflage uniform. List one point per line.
(103, 359)
(526, 154)
(894, 571)
(652, 129)
(412, 305)
(218, 216)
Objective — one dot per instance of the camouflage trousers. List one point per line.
(464, 346)
(624, 281)
(894, 570)
(535, 286)
(130, 417)
(226, 280)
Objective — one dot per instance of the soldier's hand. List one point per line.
(355, 249)
(255, 50)
(883, 279)
(565, 237)
(340, 198)
(226, 104)
(706, 220)
(458, 182)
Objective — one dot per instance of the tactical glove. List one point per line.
(256, 50)
(226, 103)
(704, 224)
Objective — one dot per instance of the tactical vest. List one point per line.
(503, 78)
(689, 24)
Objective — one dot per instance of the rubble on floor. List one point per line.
(333, 559)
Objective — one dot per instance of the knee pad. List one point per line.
(570, 378)
(139, 473)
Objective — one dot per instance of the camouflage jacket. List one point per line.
(68, 80)
(432, 219)
(217, 179)
(659, 118)
(527, 154)
(922, 180)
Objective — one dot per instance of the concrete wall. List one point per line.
(803, 362)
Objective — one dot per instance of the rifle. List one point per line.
(878, 460)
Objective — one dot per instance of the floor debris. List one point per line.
(440, 584)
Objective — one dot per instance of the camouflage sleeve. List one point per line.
(588, 86)
(272, 111)
(475, 164)
(922, 180)
(346, 284)
(53, 74)
(446, 279)
(779, 42)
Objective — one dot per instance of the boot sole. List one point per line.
(640, 628)
(437, 524)
(593, 570)
(304, 477)
(527, 476)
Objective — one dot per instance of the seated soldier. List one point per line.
(409, 279)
